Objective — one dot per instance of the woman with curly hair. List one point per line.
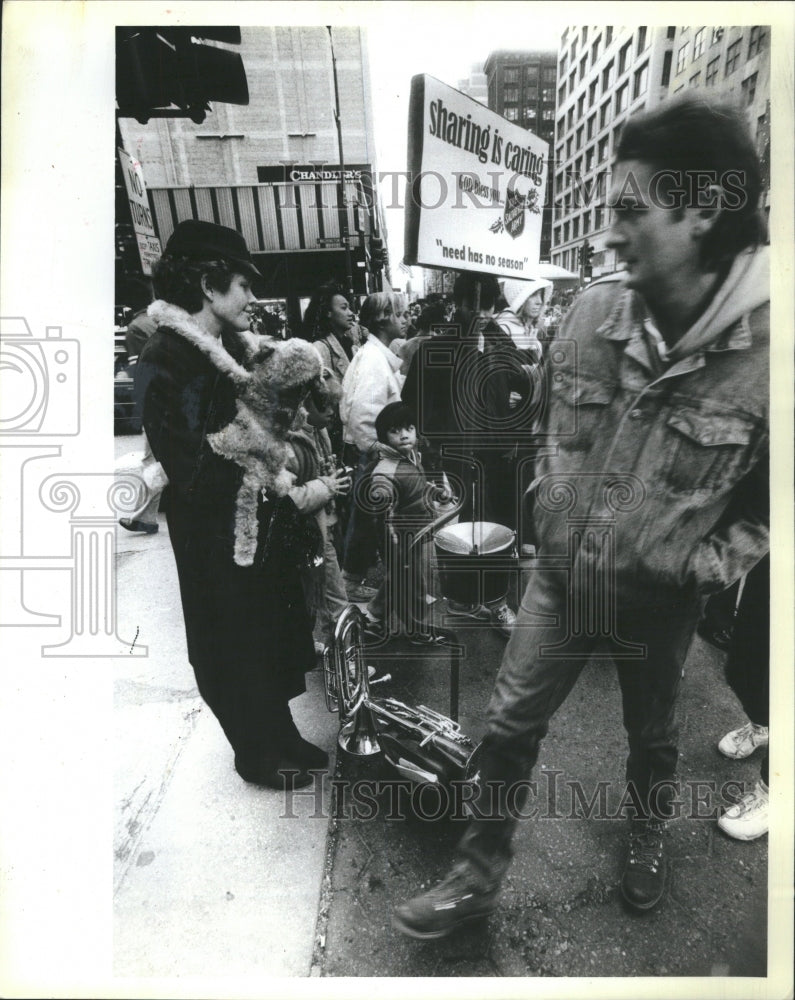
(328, 324)
(217, 405)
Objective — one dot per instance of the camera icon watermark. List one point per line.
(39, 381)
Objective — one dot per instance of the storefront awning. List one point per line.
(273, 218)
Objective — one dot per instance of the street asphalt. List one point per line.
(215, 879)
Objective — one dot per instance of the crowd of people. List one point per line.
(345, 446)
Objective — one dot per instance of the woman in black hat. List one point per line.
(248, 631)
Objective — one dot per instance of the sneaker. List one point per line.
(475, 611)
(748, 818)
(358, 592)
(436, 913)
(502, 618)
(643, 881)
(741, 743)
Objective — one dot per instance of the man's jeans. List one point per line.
(555, 636)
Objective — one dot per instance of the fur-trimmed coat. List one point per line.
(248, 633)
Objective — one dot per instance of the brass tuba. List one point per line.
(415, 741)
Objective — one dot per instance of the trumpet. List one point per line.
(415, 741)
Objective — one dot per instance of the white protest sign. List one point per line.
(476, 185)
(148, 243)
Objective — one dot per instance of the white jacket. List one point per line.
(372, 380)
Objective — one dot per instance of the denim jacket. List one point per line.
(656, 481)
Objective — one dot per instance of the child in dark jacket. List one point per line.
(401, 493)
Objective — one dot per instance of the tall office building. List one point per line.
(521, 87)
(733, 63)
(604, 75)
(607, 74)
(271, 169)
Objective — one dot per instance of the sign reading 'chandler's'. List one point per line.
(475, 186)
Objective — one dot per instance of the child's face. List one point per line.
(402, 439)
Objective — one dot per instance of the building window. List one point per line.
(581, 106)
(510, 75)
(733, 56)
(607, 77)
(548, 94)
(608, 36)
(586, 223)
(512, 114)
(580, 132)
(617, 134)
(573, 52)
(510, 94)
(591, 126)
(559, 153)
(530, 115)
(592, 93)
(671, 33)
(548, 114)
(603, 149)
(572, 81)
(569, 147)
(717, 34)
(575, 228)
(698, 42)
(549, 74)
(621, 98)
(566, 230)
(562, 93)
(589, 155)
(531, 94)
(642, 40)
(641, 81)
(594, 52)
(712, 71)
(748, 87)
(598, 217)
(583, 66)
(584, 36)
(681, 58)
(604, 114)
(570, 118)
(695, 80)
(757, 41)
(531, 74)
(665, 79)
(623, 57)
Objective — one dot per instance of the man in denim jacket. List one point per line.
(654, 494)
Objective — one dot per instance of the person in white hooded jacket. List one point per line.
(523, 319)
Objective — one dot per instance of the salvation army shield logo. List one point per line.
(513, 216)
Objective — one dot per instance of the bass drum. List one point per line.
(475, 561)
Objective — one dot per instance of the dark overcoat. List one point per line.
(248, 631)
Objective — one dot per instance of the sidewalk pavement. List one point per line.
(208, 882)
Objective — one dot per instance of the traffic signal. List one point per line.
(170, 72)
(377, 253)
(586, 253)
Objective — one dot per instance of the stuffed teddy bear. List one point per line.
(279, 376)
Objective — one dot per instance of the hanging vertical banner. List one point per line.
(475, 188)
(148, 243)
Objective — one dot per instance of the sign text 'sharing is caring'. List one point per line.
(476, 185)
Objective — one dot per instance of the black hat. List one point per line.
(198, 240)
